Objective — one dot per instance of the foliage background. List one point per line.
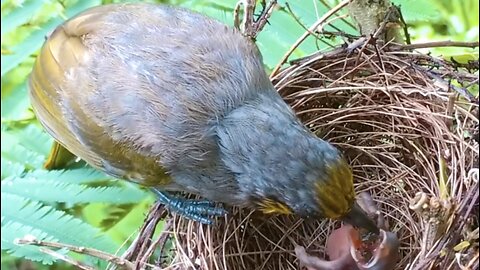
(84, 207)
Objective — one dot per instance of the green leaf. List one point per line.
(26, 48)
(54, 191)
(417, 10)
(35, 40)
(20, 15)
(10, 168)
(33, 138)
(72, 176)
(17, 153)
(20, 217)
(118, 226)
(28, 146)
(15, 105)
(14, 230)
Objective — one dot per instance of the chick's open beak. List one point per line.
(358, 218)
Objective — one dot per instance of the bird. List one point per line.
(346, 251)
(355, 249)
(179, 102)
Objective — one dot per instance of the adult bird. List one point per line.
(177, 101)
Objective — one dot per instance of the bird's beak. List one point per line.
(358, 218)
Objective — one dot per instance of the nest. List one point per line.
(411, 139)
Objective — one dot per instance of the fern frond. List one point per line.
(32, 43)
(17, 153)
(13, 229)
(10, 168)
(54, 191)
(33, 138)
(20, 16)
(15, 104)
(83, 175)
(21, 217)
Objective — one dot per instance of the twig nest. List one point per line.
(403, 131)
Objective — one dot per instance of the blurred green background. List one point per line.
(83, 207)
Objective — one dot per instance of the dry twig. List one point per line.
(82, 250)
(306, 34)
(251, 26)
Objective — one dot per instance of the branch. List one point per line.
(251, 27)
(143, 239)
(307, 33)
(159, 242)
(408, 40)
(305, 27)
(66, 258)
(446, 85)
(435, 44)
(263, 19)
(29, 240)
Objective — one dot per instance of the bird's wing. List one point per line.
(62, 52)
(62, 107)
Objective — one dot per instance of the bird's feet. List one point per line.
(197, 210)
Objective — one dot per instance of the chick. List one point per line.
(352, 249)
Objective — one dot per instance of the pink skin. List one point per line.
(344, 245)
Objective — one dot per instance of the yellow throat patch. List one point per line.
(269, 206)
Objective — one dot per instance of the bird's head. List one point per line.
(283, 168)
(322, 188)
(336, 196)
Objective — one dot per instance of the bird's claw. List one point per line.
(198, 210)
